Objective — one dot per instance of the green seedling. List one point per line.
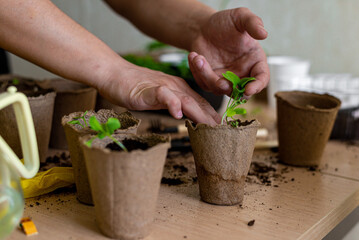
(236, 97)
(15, 81)
(77, 120)
(105, 130)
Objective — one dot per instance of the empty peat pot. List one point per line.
(71, 97)
(129, 124)
(222, 156)
(305, 121)
(125, 185)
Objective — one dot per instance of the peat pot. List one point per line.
(305, 121)
(222, 156)
(129, 124)
(125, 185)
(71, 97)
(41, 105)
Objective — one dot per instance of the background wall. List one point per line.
(324, 31)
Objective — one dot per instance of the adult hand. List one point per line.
(145, 89)
(228, 42)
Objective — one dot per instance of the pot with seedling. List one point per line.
(77, 125)
(41, 105)
(305, 121)
(125, 173)
(223, 153)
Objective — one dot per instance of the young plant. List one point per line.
(236, 97)
(105, 130)
(77, 120)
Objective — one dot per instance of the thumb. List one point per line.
(247, 21)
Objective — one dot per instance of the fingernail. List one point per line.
(262, 29)
(223, 86)
(199, 64)
(179, 114)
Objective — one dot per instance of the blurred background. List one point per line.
(323, 31)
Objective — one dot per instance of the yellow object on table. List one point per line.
(48, 181)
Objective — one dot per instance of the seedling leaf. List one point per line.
(112, 125)
(95, 124)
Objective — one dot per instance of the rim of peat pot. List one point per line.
(301, 100)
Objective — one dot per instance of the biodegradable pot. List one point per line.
(222, 155)
(129, 124)
(125, 185)
(305, 121)
(70, 97)
(41, 103)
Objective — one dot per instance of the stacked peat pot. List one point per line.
(222, 155)
(71, 97)
(41, 105)
(74, 131)
(305, 121)
(125, 185)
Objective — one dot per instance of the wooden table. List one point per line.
(297, 203)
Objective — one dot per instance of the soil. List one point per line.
(130, 144)
(60, 159)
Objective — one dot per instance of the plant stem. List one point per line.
(118, 143)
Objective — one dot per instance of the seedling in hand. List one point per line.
(236, 97)
(105, 130)
(77, 120)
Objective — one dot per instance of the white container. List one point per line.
(285, 74)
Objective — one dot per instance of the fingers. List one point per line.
(196, 109)
(205, 77)
(245, 20)
(261, 72)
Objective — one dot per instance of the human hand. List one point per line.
(228, 42)
(138, 88)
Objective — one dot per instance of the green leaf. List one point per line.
(15, 81)
(112, 125)
(89, 142)
(232, 77)
(231, 112)
(95, 124)
(240, 111)
(74, 122)
(243, 82)
(101, 135)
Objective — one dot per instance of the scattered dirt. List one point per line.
(60, 159)
(251, 223)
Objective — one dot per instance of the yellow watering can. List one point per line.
(11, 168)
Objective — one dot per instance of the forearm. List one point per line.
(38, 31)
(176, 22)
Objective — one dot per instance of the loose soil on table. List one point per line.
(60, 159)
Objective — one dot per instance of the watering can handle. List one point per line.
(26, 129)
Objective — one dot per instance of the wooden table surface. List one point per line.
(285, 202)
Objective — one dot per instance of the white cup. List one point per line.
(285, 72)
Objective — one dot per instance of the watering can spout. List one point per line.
(27, 135)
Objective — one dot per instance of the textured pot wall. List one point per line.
(73, 132)
(222, 156)
(125, 186)
(305, 121)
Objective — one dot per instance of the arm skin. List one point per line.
(47, 37)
